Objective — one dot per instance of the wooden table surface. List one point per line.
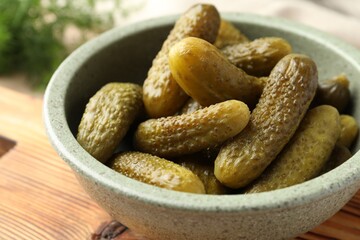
(40, 197)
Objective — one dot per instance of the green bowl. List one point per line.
(125, 55)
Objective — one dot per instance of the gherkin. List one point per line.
(257, 57)
(286, 97)
(157, 171)
(306, 154)
(229, 35)
(162, 95)
(190, 106)
(107, 118)
(349, 130)
(203, 167)
(189, 133)
(208, 77)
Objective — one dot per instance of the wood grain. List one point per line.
(41, 199)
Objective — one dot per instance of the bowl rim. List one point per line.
(82, 163)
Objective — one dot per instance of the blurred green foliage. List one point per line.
(32, 33)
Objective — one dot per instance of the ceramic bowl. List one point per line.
(125, 55)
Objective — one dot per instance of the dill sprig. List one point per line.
(32, 34)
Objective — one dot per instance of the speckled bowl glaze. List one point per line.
(125, 54)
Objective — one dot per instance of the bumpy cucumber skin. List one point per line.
(306, 154)
(208, 77)
(107, 118)
(157, 171)
(286, 97)
(162, 95)
(258, 57)
(190, 106)
(189, 133)
(204, 169)
(229, 35)
(349, 130)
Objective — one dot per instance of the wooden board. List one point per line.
(41, 199)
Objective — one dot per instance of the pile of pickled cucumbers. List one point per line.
(224, 114)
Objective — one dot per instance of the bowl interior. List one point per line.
(125, 55)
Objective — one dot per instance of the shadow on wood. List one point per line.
(6, 145)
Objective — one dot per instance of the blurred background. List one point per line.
(37, 35)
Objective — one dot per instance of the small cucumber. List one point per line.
(349, 130)
(190, 106)
(286, 97)
(339, 155)
(208, 77)
(107, 118)
(189, 133)
(157, 171)
(257, 57)
(306, 154)
(229, 35)
(162, 95)
(335, 92)
(204, 168)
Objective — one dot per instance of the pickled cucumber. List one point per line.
(349, 130)
(306, 153)
(286, 97)
(258, 57)
(107, 118)
(157, 171)
(204, 169)
(208, 77)
(162, 95)
(338, 156)
(229, 35)
(189, 133)
(334, 92)
(190, 106)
